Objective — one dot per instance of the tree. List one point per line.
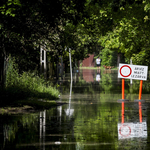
(83, 26)
(27, 24)
(130, 34)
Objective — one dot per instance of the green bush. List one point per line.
(109, 57)
(26, 85)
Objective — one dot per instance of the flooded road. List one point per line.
(93, 119)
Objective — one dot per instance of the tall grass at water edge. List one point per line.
(26, 85)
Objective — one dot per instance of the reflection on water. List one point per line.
(69, 111)
(42, 129)
(98, 76)
(92, 119)
(131, 130)
(88, 75)
(134, 131)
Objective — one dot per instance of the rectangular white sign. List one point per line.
(136, 72)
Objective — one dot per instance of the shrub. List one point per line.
(26, 85)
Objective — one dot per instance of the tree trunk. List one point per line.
(3, 66)
(1, 70)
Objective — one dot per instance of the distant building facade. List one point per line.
(89, 62)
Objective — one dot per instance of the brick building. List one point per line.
(89, 62)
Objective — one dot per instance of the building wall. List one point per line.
(89, 62)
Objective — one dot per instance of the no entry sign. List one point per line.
(136, 72)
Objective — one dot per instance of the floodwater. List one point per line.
(93, 119)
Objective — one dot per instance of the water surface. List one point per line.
(92, 120)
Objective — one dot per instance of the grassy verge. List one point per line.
(26, 89)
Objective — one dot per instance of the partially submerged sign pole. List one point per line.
(123, 84)
(122, 120)
(140, 112)
(70, 63)
(140, 93)
(123, 97)
(140, 90)
(122, 88)
(136, 72)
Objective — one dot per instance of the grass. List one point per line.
(26, 89)
(29, 85)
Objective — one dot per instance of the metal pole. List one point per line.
(41, 59)
(45, 70)
(71, 80)
(70, 64)
(131, 64)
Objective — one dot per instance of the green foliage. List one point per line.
(27, 85)
(129, 34)
(32, 25)
(9, 7)
(121, 26)
(109, 57)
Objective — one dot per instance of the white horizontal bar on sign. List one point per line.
(137, 72)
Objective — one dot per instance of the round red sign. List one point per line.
(127, 75)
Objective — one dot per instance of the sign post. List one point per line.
(131, 64)
(140, 90)
(122, 88)
(122, 120)
(140, 112)
(136, 72)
